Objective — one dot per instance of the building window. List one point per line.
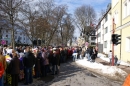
(93, 43)
(15, 37)
(102, 36)
(99, 34)
(6, 36)
(105, 44)
(93, 38)
(125, 9)
(20, 38)
(128, 44)
(6, 31)
(128, 7)
(116, 16)
(106, 18)
(99, 25)
(106, 30)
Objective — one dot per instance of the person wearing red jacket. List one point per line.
(2, 67)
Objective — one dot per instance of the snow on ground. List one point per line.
(109, 71)
(103, 57)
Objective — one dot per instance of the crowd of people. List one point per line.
(26, 63)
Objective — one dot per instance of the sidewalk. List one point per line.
(123, 67)
(101, 66)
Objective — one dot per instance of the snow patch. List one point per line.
(110, 71)
(103, 57)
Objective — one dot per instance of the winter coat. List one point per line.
(21, 63)
(110, 55)
(3, 61)
(2, 65)
(15, 65)
(37, 63)
(29, 60)
(45, 60)
(55, 59)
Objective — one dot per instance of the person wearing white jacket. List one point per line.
(110, 55)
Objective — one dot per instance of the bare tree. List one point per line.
(84, 16)
(70, 29)
(102, 12)
(42, 28)
(27, 20)
(67, 31)
(61, 28)
(46, 8)
(11, 8)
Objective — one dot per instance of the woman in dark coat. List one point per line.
(55, 62)
(37, 64)
(15, 69)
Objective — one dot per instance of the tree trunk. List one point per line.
(12, 38)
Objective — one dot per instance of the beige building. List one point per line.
(121, 14)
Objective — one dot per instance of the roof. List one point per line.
(108, 9)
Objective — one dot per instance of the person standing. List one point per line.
(88, 54)
(37, 64)
(75, 54)
(110, 56)
(28, 61)
(2, 68)
(54, 62)
(15, 69)
(94, 54)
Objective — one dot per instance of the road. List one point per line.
(73, 75)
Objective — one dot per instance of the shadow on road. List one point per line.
(67, 69)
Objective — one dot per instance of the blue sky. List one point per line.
(98, 5)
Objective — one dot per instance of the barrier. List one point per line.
(127, 81)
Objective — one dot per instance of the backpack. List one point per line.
(1, 69)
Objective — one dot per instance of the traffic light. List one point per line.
(116, 39)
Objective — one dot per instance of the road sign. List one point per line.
(3, 42)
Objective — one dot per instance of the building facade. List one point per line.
(103, 32)
(20, 36)
(121, 16)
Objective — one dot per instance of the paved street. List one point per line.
(73, 75)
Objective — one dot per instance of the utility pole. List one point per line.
(113, 43)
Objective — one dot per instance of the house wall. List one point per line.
(122, 28)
